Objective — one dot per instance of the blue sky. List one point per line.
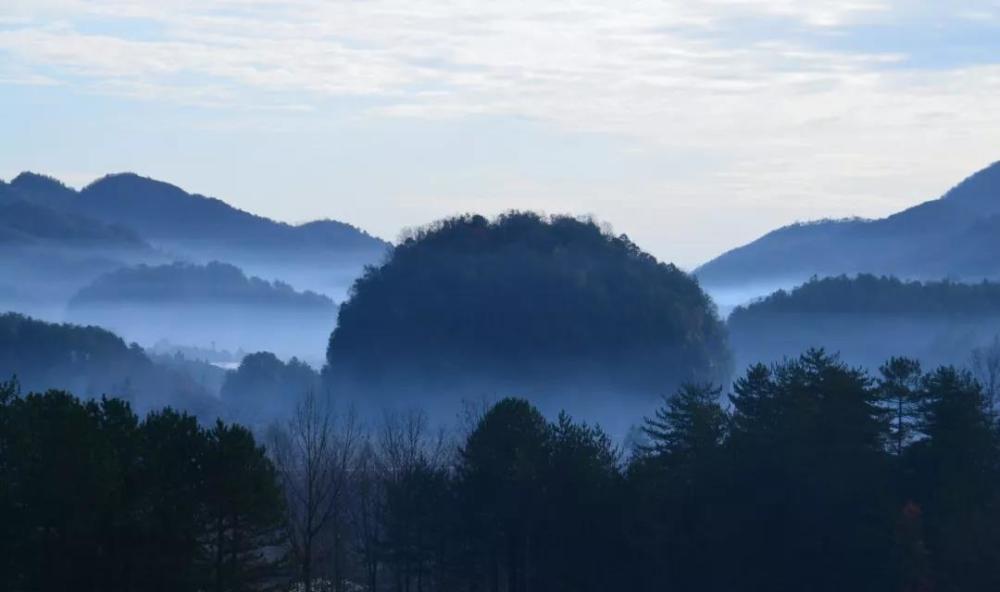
(693, 126)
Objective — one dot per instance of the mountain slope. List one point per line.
(950, 236)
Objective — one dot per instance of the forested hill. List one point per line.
(90, 361)
(185, 283)
(878, 295)
(160, 211)
(868, 319)
(530, 299)
(954, 236)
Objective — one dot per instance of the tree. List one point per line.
(8, 487)
(985, 363)
(676, 495)
(957, 486)
(500, 472)
(244, 512)
(578, 544)
(171, 484)
(690, 424)
(898, 384)
(264, 388)
(314, 454)
(416, 526)
(416, 494)
(807, 447)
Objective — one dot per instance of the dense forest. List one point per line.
(869, 318)
(808, 475)
(522, 302)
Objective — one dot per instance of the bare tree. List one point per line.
(406, 439)
(314, 454)
(367, 511)
(985, 363)
(412, 457)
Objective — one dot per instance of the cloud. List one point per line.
(793, 109)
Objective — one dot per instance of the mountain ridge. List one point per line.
(157, 210)
(933, 239)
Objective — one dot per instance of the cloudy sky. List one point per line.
(690, 125)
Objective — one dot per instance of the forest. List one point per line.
(804, 475)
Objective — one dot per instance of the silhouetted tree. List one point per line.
(500, 476)
(899, 381)
(677, 493)
(985, 362)
(244, 518)
(958, 484)
(807, 447)
(314, 453)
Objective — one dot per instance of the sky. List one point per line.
(693, 126)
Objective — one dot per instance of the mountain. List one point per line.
(49, 250)
(159, 211)
(42, 190)
(953, 236)
(323, 256)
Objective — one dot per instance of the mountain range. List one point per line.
(61, 246)
(165, 214)
(955, 236)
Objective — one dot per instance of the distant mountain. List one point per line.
(956, 236)
(214, 304)
(323, 256)
(186, 283)
(48, 250)
(42, 190)
(158, 211)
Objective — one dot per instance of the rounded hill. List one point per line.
(524, 302)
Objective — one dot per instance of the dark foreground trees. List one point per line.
(93, 498)
(809, 475)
